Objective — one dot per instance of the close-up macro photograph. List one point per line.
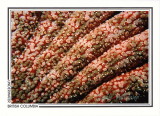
(80, 58)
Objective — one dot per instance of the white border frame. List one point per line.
(149, 104)
(102, 111)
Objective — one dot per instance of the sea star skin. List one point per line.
(46, 72)
(36, 44)
(53, 49)
(44, 33)
(61, 45)
(58, 16)
(118, 59)
(124, 88)
(70, 67)
(23, 24)
(20, 18)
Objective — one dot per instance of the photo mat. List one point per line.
(80, 57)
